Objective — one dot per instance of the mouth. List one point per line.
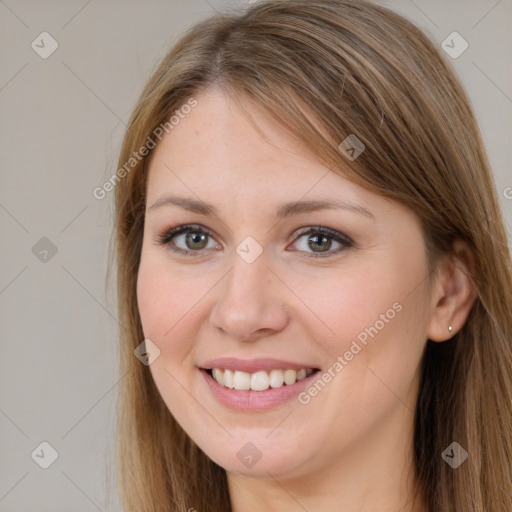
(256, 385)
(261, 380)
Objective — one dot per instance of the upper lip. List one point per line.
(254, 365)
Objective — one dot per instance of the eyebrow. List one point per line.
(285, 210)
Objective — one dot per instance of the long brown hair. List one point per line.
(327, 69)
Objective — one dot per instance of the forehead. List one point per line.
(216, 150)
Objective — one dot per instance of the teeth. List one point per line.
(276, 378)
(228, 379)
(241, 381)
(290, 377)
(258, 381)
(218, 375)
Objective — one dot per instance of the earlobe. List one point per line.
(454, 294)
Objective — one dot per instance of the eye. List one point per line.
(193, 237)
(319, 240)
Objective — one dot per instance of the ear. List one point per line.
(453, 293)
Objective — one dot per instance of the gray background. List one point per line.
(62, 119)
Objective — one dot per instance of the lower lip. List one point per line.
(255, 400)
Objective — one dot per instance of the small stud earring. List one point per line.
(450, 328)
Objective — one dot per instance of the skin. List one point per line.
(352, 443)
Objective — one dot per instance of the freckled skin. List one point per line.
(352, 441)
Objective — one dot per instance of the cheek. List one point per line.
(379, 297)
(374, 345)
(353, 304)
(167, 315)
(165, 306)
(374, 316)
(153, 300)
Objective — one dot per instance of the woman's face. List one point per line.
(262, 289)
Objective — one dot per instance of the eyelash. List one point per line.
(166, 237)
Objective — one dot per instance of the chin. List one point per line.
(258, 457)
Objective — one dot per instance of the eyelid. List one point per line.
(324, 230)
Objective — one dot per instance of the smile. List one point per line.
(258, 381)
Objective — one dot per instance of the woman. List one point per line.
(311, 256)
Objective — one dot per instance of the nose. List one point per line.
(250, 302)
